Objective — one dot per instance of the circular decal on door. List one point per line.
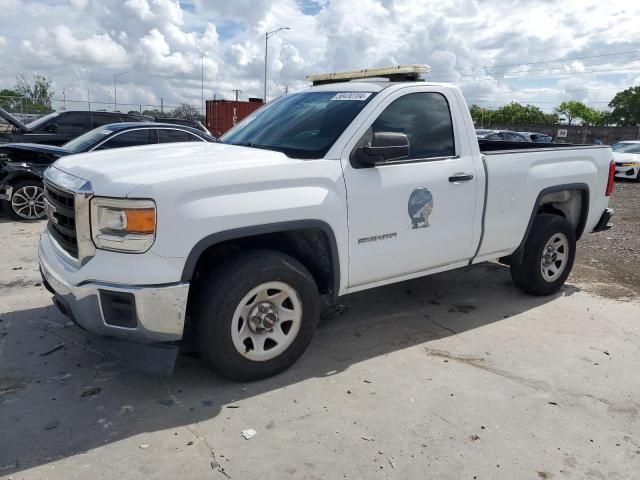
(420, 207)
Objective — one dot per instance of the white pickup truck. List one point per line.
(339, 188)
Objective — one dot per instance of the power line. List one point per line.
(538, 63)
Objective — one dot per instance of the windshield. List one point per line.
(36, 123)
(626, 147)
(86, 141)
(301, 125)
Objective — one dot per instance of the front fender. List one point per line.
(15, 173)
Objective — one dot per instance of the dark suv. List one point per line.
(59, 127)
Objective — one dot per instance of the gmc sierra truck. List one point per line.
(367, 178)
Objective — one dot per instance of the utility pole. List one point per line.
(237, 93)
(161, 105)
(203, 106)
(267, 36)
(89, 99)
(115, 89)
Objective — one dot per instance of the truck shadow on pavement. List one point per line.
(60, 397)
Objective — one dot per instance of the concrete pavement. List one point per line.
(453, 376)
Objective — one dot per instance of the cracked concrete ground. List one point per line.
(455, 376)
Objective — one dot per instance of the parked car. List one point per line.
(343, 187)
(184, 122)
(502, 135)
(627, 157)
(22, 164)
(538, 137)
(59, 127)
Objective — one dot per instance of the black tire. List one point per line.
(29, 185)
(528, 274)
(220, 293)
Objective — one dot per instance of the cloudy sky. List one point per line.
(534, 51)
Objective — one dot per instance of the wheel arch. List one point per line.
(14, 178)
(274, 234)
(540, 206)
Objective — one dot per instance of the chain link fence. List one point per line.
(27, 111)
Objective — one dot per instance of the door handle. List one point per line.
(460, 177)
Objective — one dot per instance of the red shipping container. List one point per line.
(224, 114)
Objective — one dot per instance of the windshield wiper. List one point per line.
(255, 145)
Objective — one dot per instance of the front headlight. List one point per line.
(123, 225)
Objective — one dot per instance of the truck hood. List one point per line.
(626, 157)
(13, 120)
(117, 172)
(36, 148)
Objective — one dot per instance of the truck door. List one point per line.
(414, 213)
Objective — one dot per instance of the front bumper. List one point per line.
(627, 171)
(5, 192)
(154, 313)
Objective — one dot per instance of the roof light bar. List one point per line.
(398, 73)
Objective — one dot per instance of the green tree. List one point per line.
(516, 113)
(9, 100)
(481, 116)
(186, 111)
(154, 113)
(574, 109)
(626, 108)
(37, 95)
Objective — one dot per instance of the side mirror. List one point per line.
(52, 128)
(385, 147)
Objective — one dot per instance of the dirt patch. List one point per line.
(608, 263)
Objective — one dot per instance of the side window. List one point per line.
(99, 120)
(72, 123)
(426, 119)
(512, 137)
(494, 136)
(172, 136)
(131, 138)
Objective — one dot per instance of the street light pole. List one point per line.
(267, 36)
(203, 106)
(115, 89)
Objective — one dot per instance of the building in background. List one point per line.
(224, 114)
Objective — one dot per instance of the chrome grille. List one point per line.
(62, 221)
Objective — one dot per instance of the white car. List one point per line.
(343, 187)
(627, 157)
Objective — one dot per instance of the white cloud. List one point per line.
(480, 46)
(61, 45)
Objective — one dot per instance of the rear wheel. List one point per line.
(27, 201)
(548, 256)
(255, 316)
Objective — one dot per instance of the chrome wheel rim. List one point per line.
(28, 202)
(266, 321)
(554, 257)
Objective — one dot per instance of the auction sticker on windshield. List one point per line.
(358, 96)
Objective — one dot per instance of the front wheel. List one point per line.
(256, 315)
(27, 201)
(548, 256)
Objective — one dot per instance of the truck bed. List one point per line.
(501, 146)
(516, 174)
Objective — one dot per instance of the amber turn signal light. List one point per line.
(141, 220)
